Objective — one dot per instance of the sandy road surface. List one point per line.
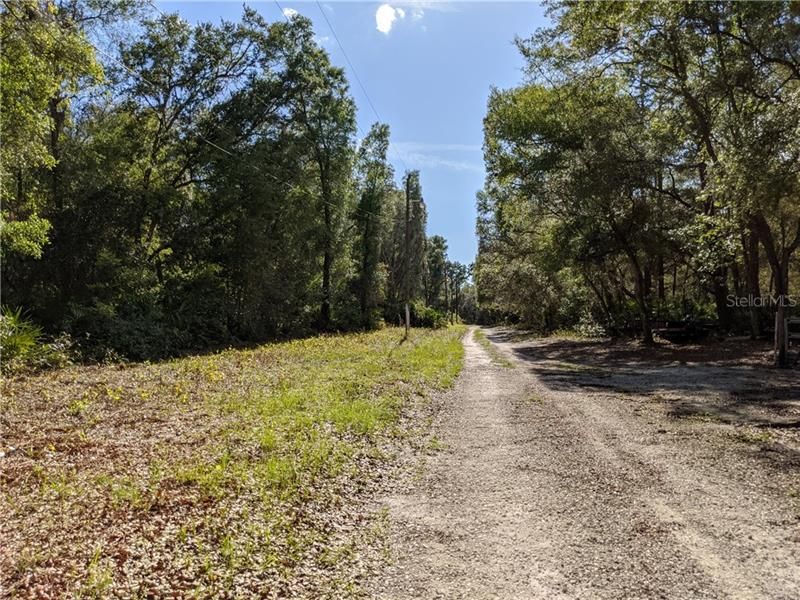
(558, 481)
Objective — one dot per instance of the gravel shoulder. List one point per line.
(562, 476)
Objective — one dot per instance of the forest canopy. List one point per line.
(647, 169)
(184, 186)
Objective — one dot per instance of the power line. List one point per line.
(347, 58)
(138, 75)
(355, 74)
(202, 138)
(288, 20)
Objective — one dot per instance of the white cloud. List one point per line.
(428, 147)
(290, 13)
(388, 14)
(385, 17)
(433, 156)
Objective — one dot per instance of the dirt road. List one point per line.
(558, 479)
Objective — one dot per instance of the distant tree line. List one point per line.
(187, 186)
(647, 169)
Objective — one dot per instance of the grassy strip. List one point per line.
(207, 475)
(496, 356)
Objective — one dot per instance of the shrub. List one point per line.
(107, 332)
(22, 345)
(426, 316)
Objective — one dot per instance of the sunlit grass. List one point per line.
(496, 356)
(321, 396)
(262, 434)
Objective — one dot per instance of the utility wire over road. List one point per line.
(119, 62)
(355, 76)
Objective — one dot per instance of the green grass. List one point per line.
(496, 356)
(99, 577)
(263, 445)
(576, 334)
(435, 444)
(535, 399)
(332, 394)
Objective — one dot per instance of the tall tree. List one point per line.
(435, 272)
(44, 60)
(208, 186)
(326, 112)
(374, 175)
(413, 248)
(456, 275)
(699, 114)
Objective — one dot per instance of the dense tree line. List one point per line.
(187, 186)
(647, 169)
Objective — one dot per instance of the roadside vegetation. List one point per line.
(232, 472)
(643, 178)
(23, 347)
(169, 187)
(495, 354)
(172, 188)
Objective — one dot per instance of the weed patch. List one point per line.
(496, 356)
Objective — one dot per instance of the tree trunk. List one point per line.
(641, 299)
(752, 275)
(406, 249)
(447, 296)
(327, 263)
(599, 295)
(719, 289)
(674, 280)
(779, 264)
(662, 295)
(781, 357)
(366, 279)
(782, 294)
(736, 277)
(57, 120)
(642, 286)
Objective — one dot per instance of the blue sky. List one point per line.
(428, 68)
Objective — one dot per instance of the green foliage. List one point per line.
(585, 329)
(423, 315)
(43, 63)
(22, 345)
(648, 144)
(25, 237)
(435, 272)
(43, 58)
(19, 337)
(406, 256)
(211, 193)
(374, 175)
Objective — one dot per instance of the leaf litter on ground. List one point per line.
(241, 473)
